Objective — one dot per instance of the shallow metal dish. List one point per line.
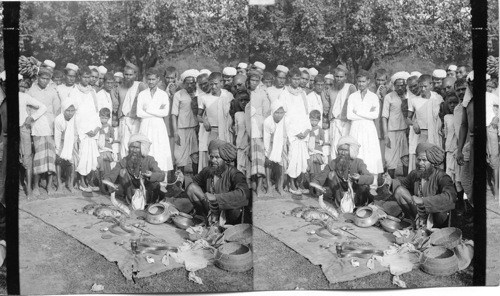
(183, 221)
(391, 225)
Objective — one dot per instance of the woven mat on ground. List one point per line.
(60, 213)
(268, 216)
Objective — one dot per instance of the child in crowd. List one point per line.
(242, 137)
(107, 137)
(275, 147)
(316, 141)
(451, 139)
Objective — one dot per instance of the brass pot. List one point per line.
(365, 217)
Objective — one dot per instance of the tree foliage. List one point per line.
(357, 33)
(144, 32)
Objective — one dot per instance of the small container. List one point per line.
(133, 246)
(338, 247)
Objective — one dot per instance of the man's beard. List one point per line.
(339, 85)
(343, 164)
(217, 171)
(134, 162)
(128, 83)
(424, 174)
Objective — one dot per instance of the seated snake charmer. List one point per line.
(427, 193)
(346, 166)
(126, 174)
(219, 188)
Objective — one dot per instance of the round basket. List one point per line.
(448, 237)
(241, 233)
(439, 261)
(233, 257)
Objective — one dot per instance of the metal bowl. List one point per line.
(365, 217)
(183, 221)
(157, 214)
(391, 225)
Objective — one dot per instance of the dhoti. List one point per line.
(128, 127)
(338, 129)
(399, 148)
(298, 155)
(88, 154)
(189, 145)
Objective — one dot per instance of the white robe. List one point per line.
(128, 125)
(153, 125)
(363, 129)
(296, 121)
(338, 127)
(86, 119)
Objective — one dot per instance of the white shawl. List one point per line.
(340, 101)
(69, 131)
(128, 102)
(278, 132)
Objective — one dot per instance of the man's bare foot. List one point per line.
(50, 189)
(281, 191)
(70, 188)
(36, 192)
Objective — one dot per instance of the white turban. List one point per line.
(329, 76)
(118, 74)
(189, 73)
(302, 69)
(229, 71)
(452, 68)
(71, 66)
(102, 70)
(205, 71)
(416, 73)
(282, 68)
(313, 72)
(260, 65)
(242, 66)
(145, 142)
(93, 67)
(400, 75)
(439, 73)
(49, 63)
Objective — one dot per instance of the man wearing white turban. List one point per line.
(128, 172)
(184, 122)
(394, 125)
(346, 167)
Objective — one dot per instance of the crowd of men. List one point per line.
(267, 130)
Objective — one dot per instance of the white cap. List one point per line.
(329, 76)
(93, 67)
(242, 66)
(313, 72)
(452, 68)
(416, 73)
(439, 73)
(260, 65)
(71, 66)
(282, 68)
(189, 73)
(49, 63)
(229, 71)
(3, 76)
(102, 70)
(400, 75)
(205, 71)
(118, 74)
